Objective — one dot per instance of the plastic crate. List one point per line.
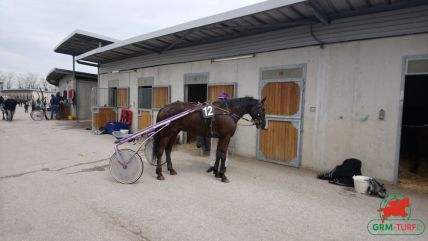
(116, 126)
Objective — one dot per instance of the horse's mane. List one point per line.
(235, 102)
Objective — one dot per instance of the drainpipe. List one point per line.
(98, 67)
(74, 87)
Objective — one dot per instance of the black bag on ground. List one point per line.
(342, 174)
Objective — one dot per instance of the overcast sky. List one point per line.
(31, 29)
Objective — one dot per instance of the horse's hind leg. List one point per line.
(162, 144)
(168, 150)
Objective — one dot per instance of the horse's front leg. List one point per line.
(168, 150)
(222, 147)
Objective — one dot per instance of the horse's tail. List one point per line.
(165, 112)
(156, 142)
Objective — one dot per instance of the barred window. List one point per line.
(112, 97)
(144, 97)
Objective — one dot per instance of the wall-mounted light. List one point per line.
(115, 71)
(233, 58)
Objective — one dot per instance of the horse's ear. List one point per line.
(263, 100)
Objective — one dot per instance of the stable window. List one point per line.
(112, 97)
(144, 97)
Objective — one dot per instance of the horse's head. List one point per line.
(257, 113)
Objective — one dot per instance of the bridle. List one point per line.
(258, 119)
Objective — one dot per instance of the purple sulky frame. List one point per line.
(150, 131)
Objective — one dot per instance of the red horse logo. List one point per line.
(395, 207)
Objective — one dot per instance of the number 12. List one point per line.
(208, 110)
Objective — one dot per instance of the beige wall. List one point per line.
(348, 83)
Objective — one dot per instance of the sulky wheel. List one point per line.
(130, 172)
(148, 153)
(36, 115)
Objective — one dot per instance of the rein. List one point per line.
(234, 115)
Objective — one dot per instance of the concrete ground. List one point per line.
(55, 185)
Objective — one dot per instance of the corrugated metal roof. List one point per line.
(55, 75)
(255, 19)
(79, 42)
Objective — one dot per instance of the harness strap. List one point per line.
(211, 121)
(211, 127)
(233, 115)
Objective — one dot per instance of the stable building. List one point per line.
(75, 87)
(333, 73)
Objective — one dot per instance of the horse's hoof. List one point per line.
(160, 177)
(217, 175)
(210, 169)
(225, 179)
(172, 172)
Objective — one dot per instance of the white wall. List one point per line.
(65, 83)
(348, 83)
(355, 80)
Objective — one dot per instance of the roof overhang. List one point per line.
(258, 18)
(79, 42)
(55, 75)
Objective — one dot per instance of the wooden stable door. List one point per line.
(144, 119)
(215, 90)
(279, 140)
(102, 116)
(160, 97)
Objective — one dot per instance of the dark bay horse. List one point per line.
(222, 125)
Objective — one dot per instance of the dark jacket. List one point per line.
(54, 101)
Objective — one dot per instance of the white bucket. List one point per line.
(361, 183)
(124, 131)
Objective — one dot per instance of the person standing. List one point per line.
(44, 108)
(214, 141)
(33, 104)
(61, 107)
(2, 106)
(26, 106)
(54, 107)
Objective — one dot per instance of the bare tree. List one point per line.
(10, 79)
(3, 79)
(20, 81)
(25, 81)
(30, 81)
(43, 84)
